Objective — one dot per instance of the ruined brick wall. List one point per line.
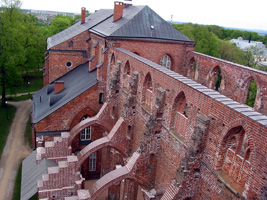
(174, 143)
(235, 78)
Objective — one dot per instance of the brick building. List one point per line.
(130, 111)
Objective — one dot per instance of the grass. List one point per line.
(35, 81)
(19, 98)
(6, 118)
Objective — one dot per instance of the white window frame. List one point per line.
(166, 61)
(85, 134)
(92, 162)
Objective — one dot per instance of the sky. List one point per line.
(228, 13)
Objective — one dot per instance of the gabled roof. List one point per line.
(78, 28)
(31, 173)
(76, 82)
(139, 22)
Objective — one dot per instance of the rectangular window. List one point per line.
(92, 162)
(101, 98)
(86, 134)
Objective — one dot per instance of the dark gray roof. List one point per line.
(78, 28)
(139, 22)
(31, 173)
(76, 82)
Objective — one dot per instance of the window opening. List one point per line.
(69, 64)
(85, 134)
(71, 44)
(218, 80)
(101, 98)
(252, 93)
(92, 162)
(166, 61)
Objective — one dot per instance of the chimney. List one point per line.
(83, 15)
(118, 10)
(59, 86)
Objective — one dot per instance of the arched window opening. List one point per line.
(71, 44)
(252, 93)
(191, 73)
(236, 154)
(127, 68)
(85, 134)
(165, 61)
(112, 59)
(179, 108)
(147, 90)
(218, 80)
(100, 55)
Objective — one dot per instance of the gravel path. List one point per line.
(15, 150)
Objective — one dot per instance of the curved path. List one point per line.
(15, 149)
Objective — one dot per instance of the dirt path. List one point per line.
(14, 150)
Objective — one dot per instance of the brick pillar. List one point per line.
(114, 191)
(130, 190)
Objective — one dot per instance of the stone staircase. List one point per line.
(56, 150)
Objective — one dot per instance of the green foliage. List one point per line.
(206, 42)
(21, 46)
(252, 93)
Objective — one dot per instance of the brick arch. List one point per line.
(85, 111)
(84, 124)
(117, 176)
(225, 135)
(191, 72)
(93, 147)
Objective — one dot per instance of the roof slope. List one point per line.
(31, 173)
(76, 82)
(139, 22)
(78, 28)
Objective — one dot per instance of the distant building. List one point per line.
(258, 49)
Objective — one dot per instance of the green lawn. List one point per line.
(6, 118)
(34, 83)
(16, 193)
(19, 98)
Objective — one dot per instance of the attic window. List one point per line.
(69, 64)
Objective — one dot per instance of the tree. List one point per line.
(21, 46)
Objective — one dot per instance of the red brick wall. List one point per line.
(64, 117)
(56, 63)
(235, 79)
(154, 51)
(221, 119)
